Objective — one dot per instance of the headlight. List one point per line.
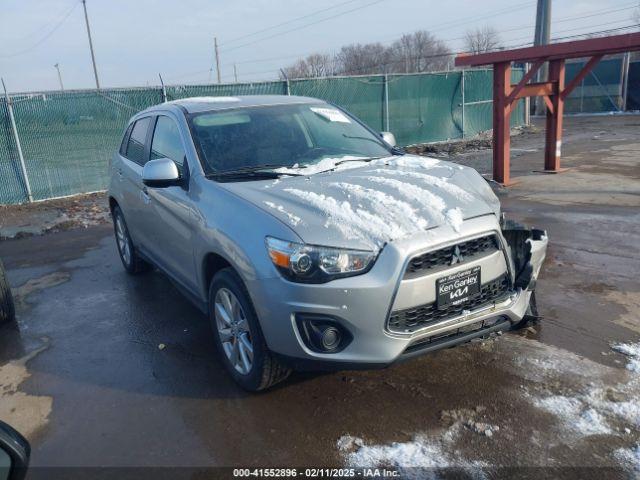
(314, 264)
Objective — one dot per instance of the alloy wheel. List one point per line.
(234, 332)
(122, 238)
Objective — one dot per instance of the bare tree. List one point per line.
(482, 40)
(359, 59)
(420, 52)
(416, 52)
(314, 65)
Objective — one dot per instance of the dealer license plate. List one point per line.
(458, 287)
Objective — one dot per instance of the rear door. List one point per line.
(169, 218)
(133, 158)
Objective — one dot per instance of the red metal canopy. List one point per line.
(553, 91)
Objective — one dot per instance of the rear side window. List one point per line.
(167, 142)
(135, 147)
(123, 144)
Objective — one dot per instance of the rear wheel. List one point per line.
(238, 336)
(7, 309)
(131, 261)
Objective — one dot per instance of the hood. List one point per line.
(365, 205)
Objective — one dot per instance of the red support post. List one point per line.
(501, 124)
(553, 144)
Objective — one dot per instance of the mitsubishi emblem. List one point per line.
(456, 256)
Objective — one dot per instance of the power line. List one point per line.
(441, 55)
(277, 34)
(561, 20)
(46, 36)
(233, 40)
(39, 30)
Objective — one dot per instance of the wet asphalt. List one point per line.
(130, 367)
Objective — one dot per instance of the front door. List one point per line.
(169, 223)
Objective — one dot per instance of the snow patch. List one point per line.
(353, 224)
(408, 161)
(455, 219)
(294, 219)
(419, 458)
(442, 183)
(629, 458)
(575, 415)
(434, 204)
(631, 350)
(386, 206)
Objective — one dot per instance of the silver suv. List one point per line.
(312, 241)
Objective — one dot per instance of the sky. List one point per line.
(135, 40)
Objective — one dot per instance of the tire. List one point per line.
(531, 315)
(129, 257)
(253, 368)
(7, 308)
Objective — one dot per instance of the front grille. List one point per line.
(412, 319)
(469, 250)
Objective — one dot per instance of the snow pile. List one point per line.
(575, 415)
(386, 206)
(631, 350)
(353, 224)
(294, 219)
(629, 458)
(419, 458)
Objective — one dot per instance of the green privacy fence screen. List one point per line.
(600, 91)
(68, 137)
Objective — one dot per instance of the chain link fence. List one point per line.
(68, 137)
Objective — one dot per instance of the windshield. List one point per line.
(280, 136)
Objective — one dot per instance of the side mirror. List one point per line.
(14, 454)
(389, 138)
(160, 173)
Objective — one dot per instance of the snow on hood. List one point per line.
(367, 204)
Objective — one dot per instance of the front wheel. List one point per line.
(7, 309)
(238, 336)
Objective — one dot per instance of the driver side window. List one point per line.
(167, 142)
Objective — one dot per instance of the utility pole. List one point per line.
(235, 72)
(93, 57)
(215, 44)
(542, 36)
(57, 65)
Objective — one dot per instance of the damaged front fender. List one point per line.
(528, 249)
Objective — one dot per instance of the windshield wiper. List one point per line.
(363, 159)
(266, 170)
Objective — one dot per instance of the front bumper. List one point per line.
(362, 304)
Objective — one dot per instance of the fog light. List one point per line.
(330, 338)
(322, 333)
